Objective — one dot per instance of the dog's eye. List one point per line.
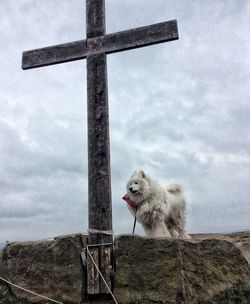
(136, 183)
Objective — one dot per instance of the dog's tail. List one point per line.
(174, 188)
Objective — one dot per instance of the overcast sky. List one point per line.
(179, 110)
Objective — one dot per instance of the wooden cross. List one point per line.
(94, 49)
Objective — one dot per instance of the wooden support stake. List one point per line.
(93, 275)
(103, 258)
(106, 267)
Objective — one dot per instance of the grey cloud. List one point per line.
(200, 217)
(177, 110)
(21, 212)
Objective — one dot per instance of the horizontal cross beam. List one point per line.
(111, 43)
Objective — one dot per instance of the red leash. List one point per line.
(132, 205)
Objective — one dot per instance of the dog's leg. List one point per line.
(185, 236)
(149, 232)
(174, 233)
(160, 230)
(181, 233)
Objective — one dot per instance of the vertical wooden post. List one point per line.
(99, 177)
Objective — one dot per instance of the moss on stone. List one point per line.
(176, 271)
(238, 294)
(148, 271)
(50, 268)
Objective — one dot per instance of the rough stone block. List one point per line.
(179, 271)
(50, 268)
(209, 269)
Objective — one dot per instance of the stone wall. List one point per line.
(208, 269)
(51, 268)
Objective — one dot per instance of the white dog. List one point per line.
(161, 211)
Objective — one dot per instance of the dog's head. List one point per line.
(138, 187)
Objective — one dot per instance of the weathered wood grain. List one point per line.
(95, 18)
(99, 177)
(54, 54)
(92, 273)
(134, 38)
(111, 43)
(99, 181)
(106, 267)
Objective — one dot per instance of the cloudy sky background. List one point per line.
(178, 110)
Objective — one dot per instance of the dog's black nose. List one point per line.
(131, 189)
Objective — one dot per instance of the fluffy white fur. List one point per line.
(161, 211)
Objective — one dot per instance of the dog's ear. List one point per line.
(142, 174)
